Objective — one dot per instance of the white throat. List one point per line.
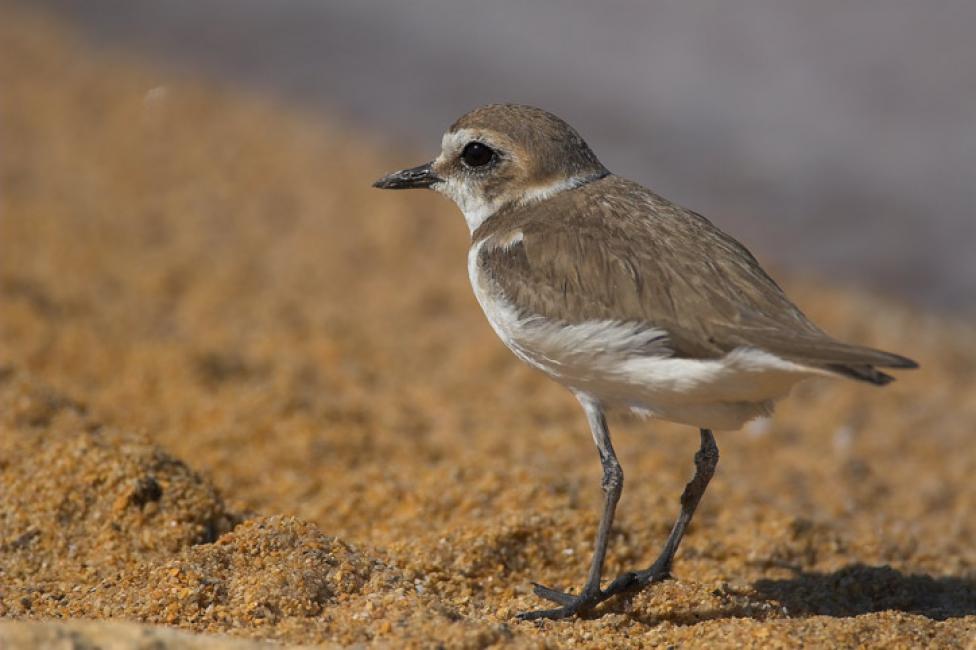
(471, 203)
(476, 209)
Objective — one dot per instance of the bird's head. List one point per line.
(500, 155)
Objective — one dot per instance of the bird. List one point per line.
(627, 299)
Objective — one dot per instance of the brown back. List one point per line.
(614, 250)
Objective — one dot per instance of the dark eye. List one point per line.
(476, 154)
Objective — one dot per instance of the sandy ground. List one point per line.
(243, 393)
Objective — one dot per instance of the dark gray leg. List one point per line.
(706, 459)
(613, 483)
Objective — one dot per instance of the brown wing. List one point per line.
(612, 250)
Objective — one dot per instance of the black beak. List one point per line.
(408, 179)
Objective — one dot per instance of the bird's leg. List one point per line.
(613, 482)
(706, 459)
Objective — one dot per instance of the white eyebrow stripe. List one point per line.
(453, 141)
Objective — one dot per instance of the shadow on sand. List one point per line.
(852, 591)
(861, 589)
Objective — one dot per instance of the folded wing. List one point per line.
(638, 258)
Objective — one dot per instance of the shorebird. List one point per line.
(629, 300)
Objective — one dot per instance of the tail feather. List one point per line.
(854, 361)
(818, 350)
(858, 362)
(869, 374)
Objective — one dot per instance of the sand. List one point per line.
(242, 393)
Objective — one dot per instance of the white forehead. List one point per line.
(455, 141)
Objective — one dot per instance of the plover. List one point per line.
(627, 299)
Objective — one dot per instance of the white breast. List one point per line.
(629, 365)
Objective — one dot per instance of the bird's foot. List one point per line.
(570, 605)
(636, 580)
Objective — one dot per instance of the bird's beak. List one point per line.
(407, 179)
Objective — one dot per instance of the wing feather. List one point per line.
(613, 250)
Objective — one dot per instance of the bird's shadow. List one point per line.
(851, 591)
(861, 589)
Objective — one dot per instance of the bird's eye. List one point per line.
(476, 154)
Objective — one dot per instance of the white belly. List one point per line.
(629, 365)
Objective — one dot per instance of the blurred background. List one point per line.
(209, 319)
(836, 139)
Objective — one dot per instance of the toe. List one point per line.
(553, 614)
(558, 597)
